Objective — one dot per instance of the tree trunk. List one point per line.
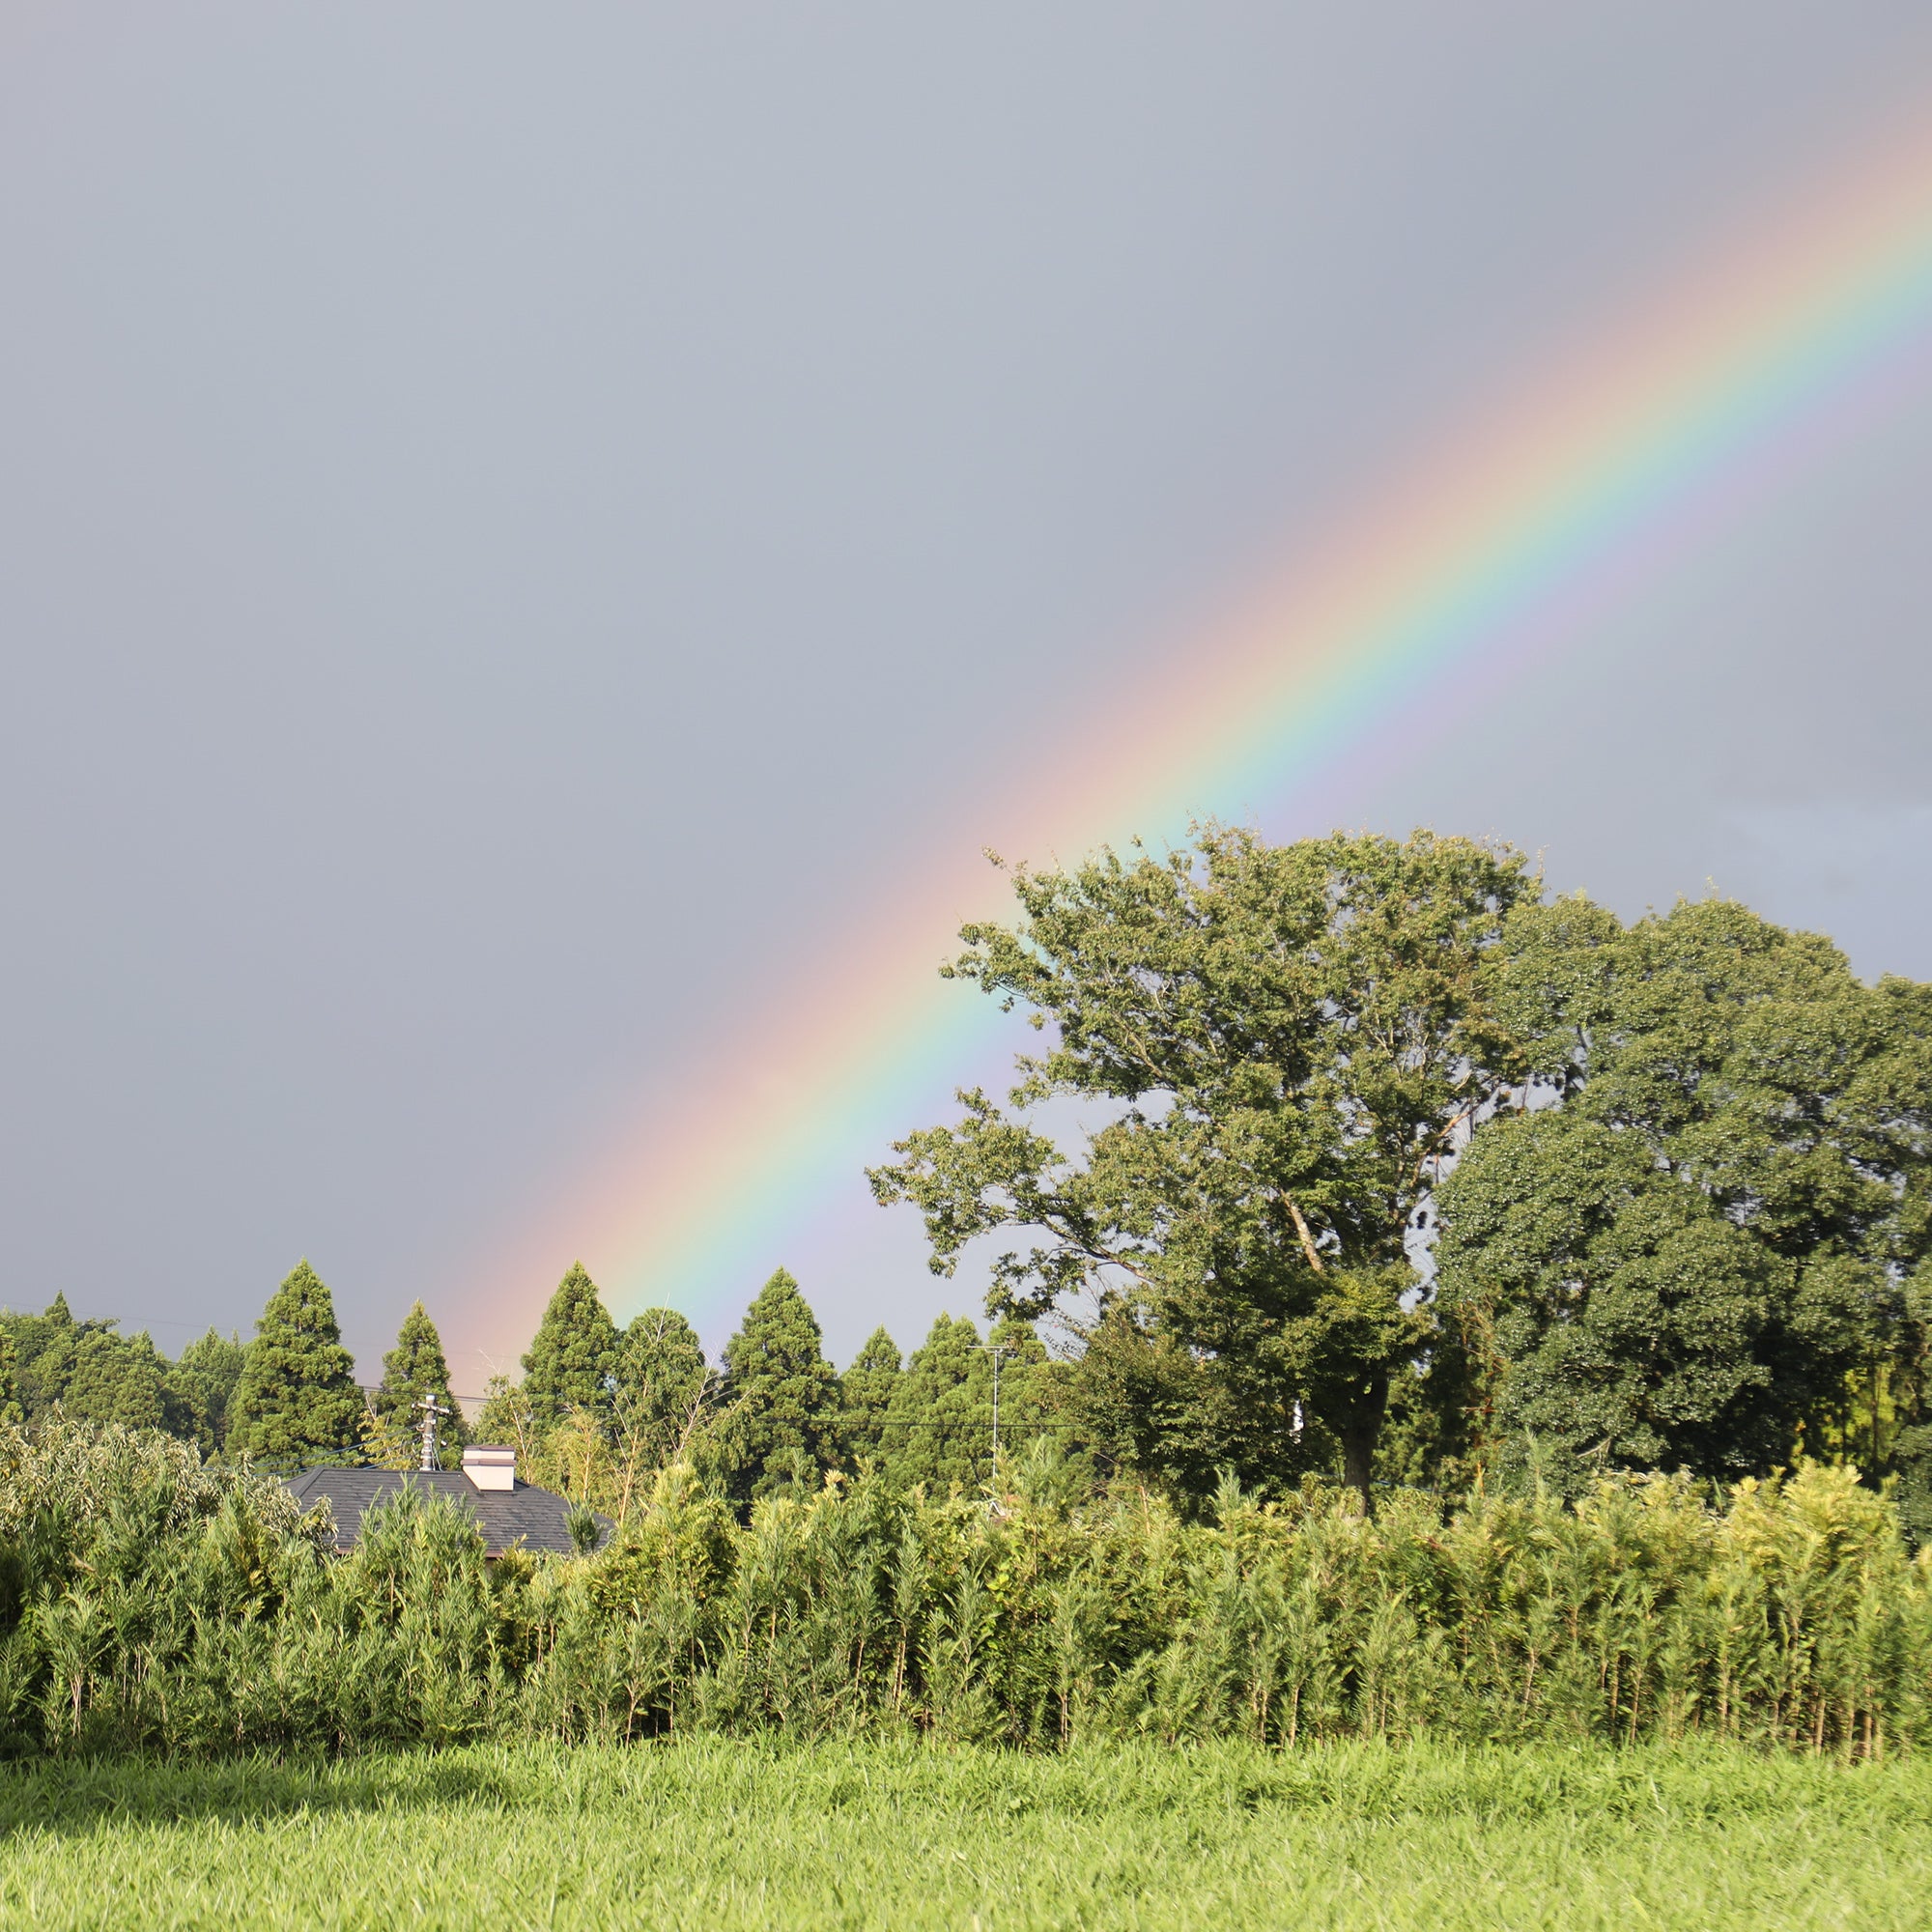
(1360, 1431)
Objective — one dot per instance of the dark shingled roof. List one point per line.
(525, 1514)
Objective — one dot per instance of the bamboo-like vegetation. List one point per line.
(148, 1603)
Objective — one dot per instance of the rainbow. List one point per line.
(1485, 557)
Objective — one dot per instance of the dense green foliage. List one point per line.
(707, 1835)
(1408, 1175)
(1289, 1037)
(573, 1361)
(938, 1423)
(148, 1603)
(1561, 1240)
(297, 1401)
(1685, 1262)
(209, 1370)
(1400, 1173)
(938, 1427)
(780, 1395)
(414, 1369)
(89, 1369)
(779, 1416)
(662, 1381)
(865, 1390)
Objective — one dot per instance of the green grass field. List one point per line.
(713, 1834)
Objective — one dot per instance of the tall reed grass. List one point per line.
(148, 1603)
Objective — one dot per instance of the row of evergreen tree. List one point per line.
(599, 1408)
(288, 1397)
(597, 1411)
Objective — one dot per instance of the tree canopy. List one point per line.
(414, 1369)
(1380, 1165)
(938, 1428)
(573, 1360)
(1290, 1039)
(866, 1387)
(1711, 1219)
(206, 1372)
(297, 1401)
(661, 1382)
(779, 1394)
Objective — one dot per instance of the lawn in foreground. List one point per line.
(716, 1834)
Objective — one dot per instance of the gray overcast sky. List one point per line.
(514, 516)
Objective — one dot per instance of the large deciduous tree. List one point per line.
(296, 1401)
(1291, 1038)
(1688, 1260)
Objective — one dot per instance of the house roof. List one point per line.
(527, 1514)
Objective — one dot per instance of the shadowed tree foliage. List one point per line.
(779, 1394)
(1032, 1390)
(938, 1428)
(11, 1409)
(868, 1387)
(1288, 1040)
(1146, 1402)
(206, 1372)
(416, 1368)
(47, 1345)
(573, 1361)
(123, 1378)
(296, 1401)
(1707, 1248)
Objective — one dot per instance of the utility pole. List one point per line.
(431, 1410)
(996, 1350)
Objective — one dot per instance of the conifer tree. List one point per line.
(206, 1373)
(296, 1401)
(412, 1369)
(1030, 1387)
(117, 1379)
(48, 1344)
(781, 1394)
(661, 1376)
(11, 1409)
(867, 1386)
(573, 1361)
(938, 1428)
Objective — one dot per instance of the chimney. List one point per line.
(490, 1466)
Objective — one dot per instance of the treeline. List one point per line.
(1406, 1175)
(1409, 1171)
(598, 1410)
(150, 1602)
(286, 1399)
(1559, 1238)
